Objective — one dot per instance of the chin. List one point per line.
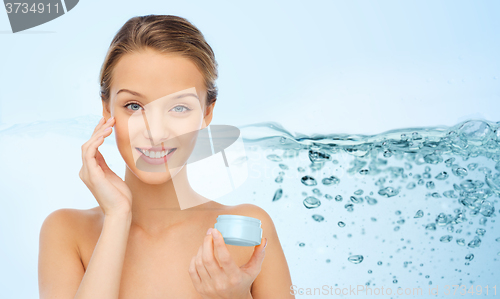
(155, 178)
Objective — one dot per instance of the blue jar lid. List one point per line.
(238, 217)
(239, 230)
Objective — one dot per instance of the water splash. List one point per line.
(451, 174)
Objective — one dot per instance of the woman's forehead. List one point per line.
(156, 73)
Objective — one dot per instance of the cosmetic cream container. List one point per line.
(239, 230)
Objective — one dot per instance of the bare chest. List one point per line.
(158, 267)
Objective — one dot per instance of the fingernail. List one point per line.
(209, 231)
(101, 120)
(266, 243)
(110, 119)
(107, 129)
(215, 234)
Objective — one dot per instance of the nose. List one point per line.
(157, 127)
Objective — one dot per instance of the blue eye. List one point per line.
(132, 104)
(175, 108)
(187, 109)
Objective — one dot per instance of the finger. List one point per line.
(101, 162)
(225, 259)
(193, 273)
(96, 135)
(91, 153)
(200, 267)
(101, 122)
(208, 258)
(253, 265)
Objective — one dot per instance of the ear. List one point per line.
(105, 109)
(209, 114)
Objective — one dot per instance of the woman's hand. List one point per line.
(227, 280)
(110, 191)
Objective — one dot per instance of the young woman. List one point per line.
(138, 242)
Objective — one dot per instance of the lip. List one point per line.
(155, 148)
(156, 161)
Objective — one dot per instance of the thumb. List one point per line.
(253, 265)
(101, 162)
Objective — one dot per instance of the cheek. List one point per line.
(122, 139)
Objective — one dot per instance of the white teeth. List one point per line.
(153, 154)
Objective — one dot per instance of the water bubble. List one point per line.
(369, 271)
(442, 176)
(308, 181)
(480, 231)
(317, 156)
(449, 162)
(279, 179)
(341, 224)
(436, 195)
(411, 185)
(327, 260)
(379, 263)
(430, 226)
(338, 198)
(274, 158)
(311, 202)
(430, 185)
(472, 166)
(370, 200)
(318, 218)
(433, 158)
(355, 259)
(441, 219)
(278, 194)
(469, 257)
(301, 169)
(475, 242)
(475, 131)
(459, 171)
(358, 192)
(450, 194)
(328, 196)
(446, 239)
(364, 171)
(357, 200)
(388, 192)
(396, 228)
(332, 180)
(302, 244)
(487, 208)
(419, 214)
(349, 207)
(283, 166)
(461, 242)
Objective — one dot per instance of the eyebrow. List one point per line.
(142, 96)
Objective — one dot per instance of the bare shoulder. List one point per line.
(71, 223)
(60, 268)
(250, 210)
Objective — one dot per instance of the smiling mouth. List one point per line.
(155, 154)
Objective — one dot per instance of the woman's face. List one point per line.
(158, 101)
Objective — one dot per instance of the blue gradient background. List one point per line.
(360, 67)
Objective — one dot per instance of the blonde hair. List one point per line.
(166, 34)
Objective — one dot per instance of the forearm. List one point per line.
(103, 274)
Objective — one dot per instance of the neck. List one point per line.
(158, 207)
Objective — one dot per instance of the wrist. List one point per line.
(121, 216)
